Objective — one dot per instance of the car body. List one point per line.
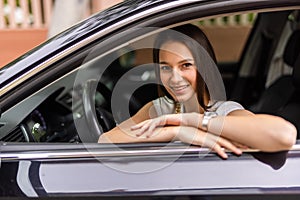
(49, 125)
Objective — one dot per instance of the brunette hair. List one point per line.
(197, 42)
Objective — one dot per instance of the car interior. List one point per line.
(266, 79)
(278, 89)
(282, 96)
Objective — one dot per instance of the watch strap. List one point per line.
(206, 118)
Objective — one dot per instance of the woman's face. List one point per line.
(178, 72)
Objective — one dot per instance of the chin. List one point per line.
(182, 99)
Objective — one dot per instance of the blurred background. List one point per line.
(25, 24)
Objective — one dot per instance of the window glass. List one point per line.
(229, 34)
(117, 83)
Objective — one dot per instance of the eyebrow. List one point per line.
(182, 61)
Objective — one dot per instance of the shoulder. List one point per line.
(223, 108)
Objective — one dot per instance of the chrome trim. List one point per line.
(296, 147)
(71, 154)
(91, 38)
(97, 153)
(23, 179)
(104, 153)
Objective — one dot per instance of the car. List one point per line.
(58, 98)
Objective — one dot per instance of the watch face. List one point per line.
(210, 114)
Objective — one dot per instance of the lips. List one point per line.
(178, 89)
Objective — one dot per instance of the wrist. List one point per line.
(192, 119)
(216, 125)
(174, 131)
(207, 116)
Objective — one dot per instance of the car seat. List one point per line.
(282, 98)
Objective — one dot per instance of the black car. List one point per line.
(58, 98)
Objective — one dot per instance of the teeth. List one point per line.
(180, 87)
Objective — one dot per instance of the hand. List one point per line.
(198, 137)
(195, 136)
(147, 127)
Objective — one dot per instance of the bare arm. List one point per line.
(187, 134)
(264, 132)
(259, 131)
(122, 132)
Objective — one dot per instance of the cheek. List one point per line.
(164, 77)
(192, 79)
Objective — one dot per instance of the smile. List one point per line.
(179, 88)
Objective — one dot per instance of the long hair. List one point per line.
(197, 42)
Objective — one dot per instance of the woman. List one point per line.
(191, 110)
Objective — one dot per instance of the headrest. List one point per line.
(292, 49)
(296, 73)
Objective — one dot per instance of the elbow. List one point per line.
(290, 137)
(287, 136)
(102, 139)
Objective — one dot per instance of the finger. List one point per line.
(228, 145)
(239, 145)
(142, 130)
(220, 151)
(152, 127)
(149, 134)
(138, 126)
(211, 141)
(223, 143)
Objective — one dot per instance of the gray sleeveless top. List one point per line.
(164, 106)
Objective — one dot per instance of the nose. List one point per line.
(176, 76)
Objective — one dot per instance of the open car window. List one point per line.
(91, 78)
(112, 79)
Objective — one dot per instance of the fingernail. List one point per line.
(224, 157)
(239, 151)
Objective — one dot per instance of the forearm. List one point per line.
(126, 135)
(186, 134)
(264, 132)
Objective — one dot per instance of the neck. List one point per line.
(192, 105)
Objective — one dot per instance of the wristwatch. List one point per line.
(206, 117)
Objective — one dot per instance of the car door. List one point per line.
(163, 170)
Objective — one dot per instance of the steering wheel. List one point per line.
(95, 120)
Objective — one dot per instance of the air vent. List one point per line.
(17, 135)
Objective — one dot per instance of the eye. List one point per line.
(187, 65)
(165, 68)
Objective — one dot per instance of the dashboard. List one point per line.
(51, 121)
